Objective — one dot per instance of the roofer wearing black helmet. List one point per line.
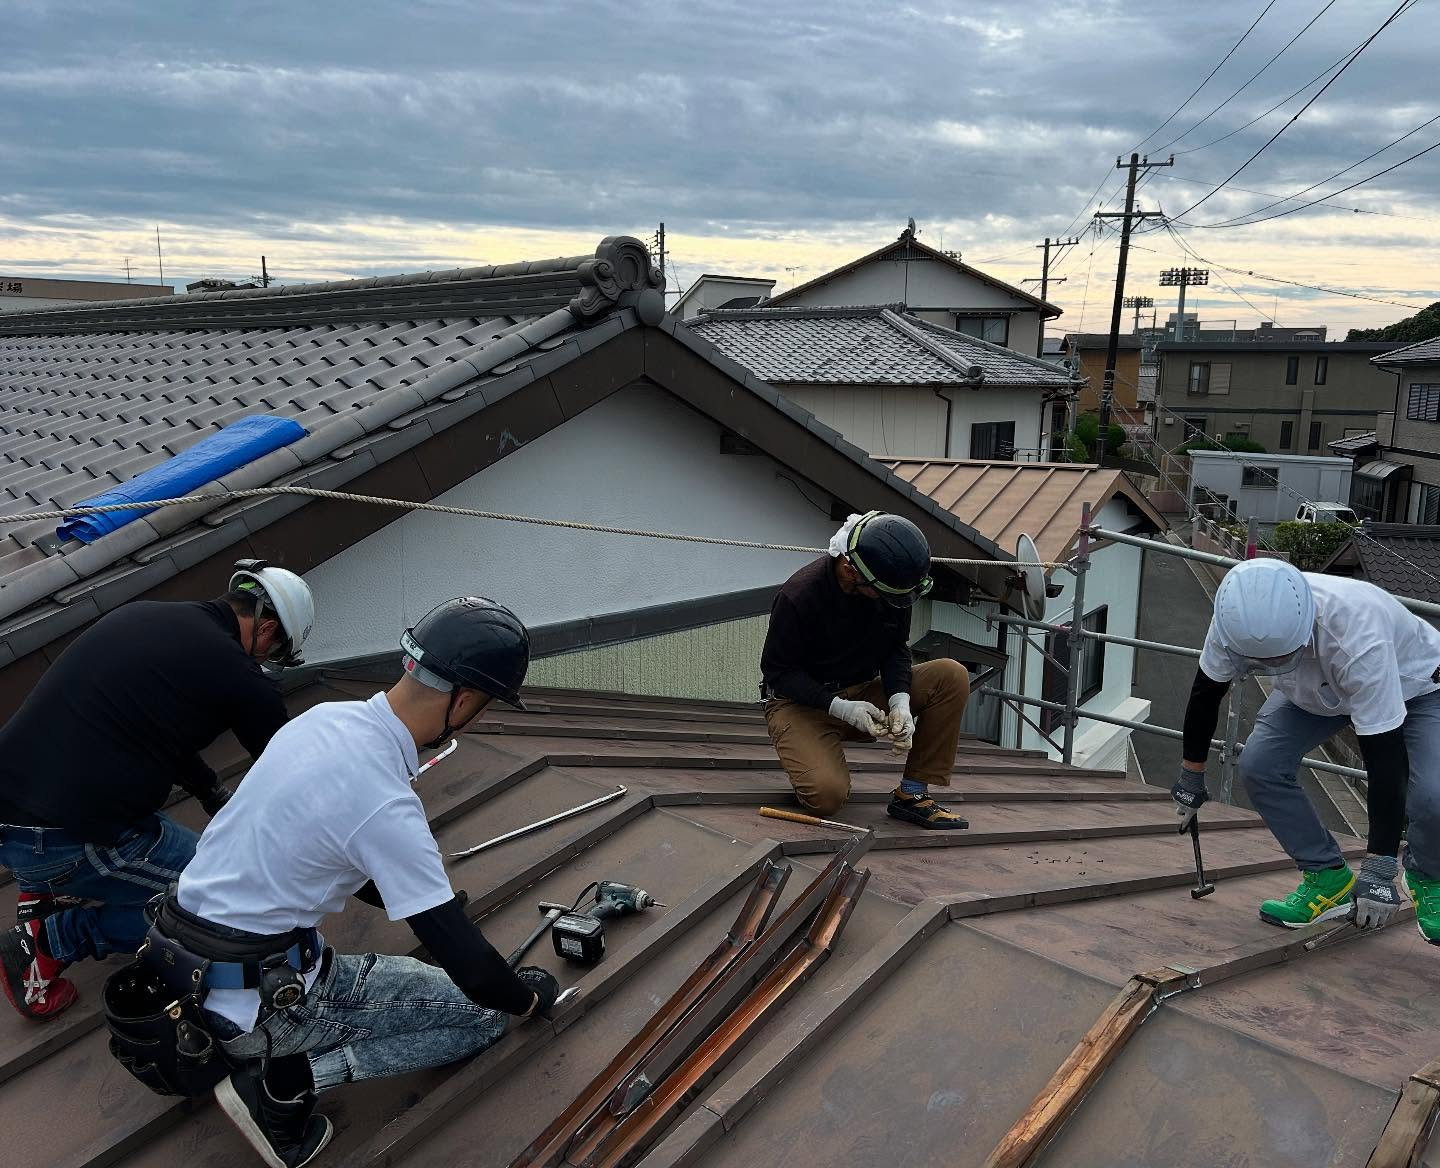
(836, 668)
(91, 757)
(328, 812)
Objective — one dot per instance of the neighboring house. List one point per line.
(1045, 502)
(711, 291)
(1267, 487)
(557, 389)
(936, 287)
(1290, 397)
(1087, 353)
(895, 384)
(1402, 558)
(1195, 330)
(1397, 469)
(28, 293)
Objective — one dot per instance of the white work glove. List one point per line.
(902, 724)
(863, 716)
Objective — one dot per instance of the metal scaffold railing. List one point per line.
(1077, 637)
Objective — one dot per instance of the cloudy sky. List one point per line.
(363, 137)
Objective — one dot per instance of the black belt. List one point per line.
(238, 959)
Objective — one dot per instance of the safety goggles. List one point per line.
(1268, 666)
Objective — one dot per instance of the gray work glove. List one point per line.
(1376, 897)
(1189, 793)
(863, 716)
(902, 724)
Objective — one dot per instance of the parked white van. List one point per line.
(1325, 513)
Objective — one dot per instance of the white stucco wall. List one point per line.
(1321, 479)
(973, 406)
(638, 459)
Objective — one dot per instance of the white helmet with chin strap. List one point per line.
(283, 593)
(1265, 615)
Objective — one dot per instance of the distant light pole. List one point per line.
(1183, 278)
(792, 271)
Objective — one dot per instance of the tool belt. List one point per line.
(154, 1006)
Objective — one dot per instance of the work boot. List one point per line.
(31, 977)
(286, 1133)
(1426, 895)
(923, 810)
(1322, 896)
(36, 906)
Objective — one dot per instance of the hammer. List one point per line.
(1202, 886)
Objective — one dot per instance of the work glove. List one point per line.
(902, 723)
(1189, 793)
(213, 800)
(544, 985)
(863, 716)
(1376, 897)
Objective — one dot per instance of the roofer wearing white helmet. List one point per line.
(89, 760)
(1341, 652)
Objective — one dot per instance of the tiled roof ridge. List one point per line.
(798, 312)
(1426, 351)
(588, 285)
(927, 327)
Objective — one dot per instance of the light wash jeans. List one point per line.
(144, 861)
(1284, 734)
(368, 1016)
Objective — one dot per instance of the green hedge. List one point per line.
(1310, 545)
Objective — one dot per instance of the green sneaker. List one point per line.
(1426, 895)
(1322, 896)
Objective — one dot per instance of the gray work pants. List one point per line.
(1284, 734)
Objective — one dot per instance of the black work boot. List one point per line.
(285, 1132)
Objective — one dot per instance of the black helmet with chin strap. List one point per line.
(472, 643)
(892, 557)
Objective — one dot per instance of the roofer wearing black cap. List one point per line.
(326, 813)
(91, 757)
(837, 668)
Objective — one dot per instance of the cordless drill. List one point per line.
(580, 936)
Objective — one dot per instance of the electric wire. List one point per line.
(1210, 182)
(1353, 57)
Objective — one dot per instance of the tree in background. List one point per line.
(1310, 545)
(1423, 326)
(1231, 442)
(1087, 429)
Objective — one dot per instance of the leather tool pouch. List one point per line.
(157, 1028)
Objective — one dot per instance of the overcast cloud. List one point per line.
(352, 138)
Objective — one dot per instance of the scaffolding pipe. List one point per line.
(1076, 670)
(1419, 607)
(1314, 764)
(1108, 638)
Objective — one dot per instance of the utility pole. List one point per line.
(1057, 244)
(264, 274)
(1126, 217)
(1183, 278)
(1137, 303)
(127, 269)
(657, 246)
(159, 255)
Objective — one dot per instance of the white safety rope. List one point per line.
(469, 513)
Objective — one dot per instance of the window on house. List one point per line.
(1287, 435)
(1292, 370)
(1195, 428)
(1054, 683)
(1316, 428)
(1264, 477)
(1367, 497)
(1322, 369)
(1429, 509)
(992, 440)
(1200, 377)
(995, 329)
(1423, 404)
(1092, 679)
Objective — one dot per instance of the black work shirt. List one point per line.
(822, 640)
(123, 714)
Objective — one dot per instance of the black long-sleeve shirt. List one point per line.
(822, 640)
(123, 714)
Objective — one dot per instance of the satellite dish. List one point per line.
(1030, 580)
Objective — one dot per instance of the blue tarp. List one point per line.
(209, 459)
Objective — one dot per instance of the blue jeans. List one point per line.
(145, 860)
(370, 1016)
(1284, 733)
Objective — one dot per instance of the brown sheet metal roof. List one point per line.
(974, 963)
(1043, 500)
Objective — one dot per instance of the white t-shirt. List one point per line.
(1370, 656)
(327, 807)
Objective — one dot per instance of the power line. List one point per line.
(1204, 83)
(1210, 182)
(1355, 56)
(1253, 77)
(1176, 236)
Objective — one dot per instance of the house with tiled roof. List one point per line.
(935, 285)
(1397, 468)
(897, 384)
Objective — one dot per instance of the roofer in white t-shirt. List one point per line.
(328, 812)
(1340, 652)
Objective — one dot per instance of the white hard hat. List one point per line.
(1265, 615)
(285, 594)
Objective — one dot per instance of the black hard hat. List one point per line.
(473, 642)
(891, 556)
